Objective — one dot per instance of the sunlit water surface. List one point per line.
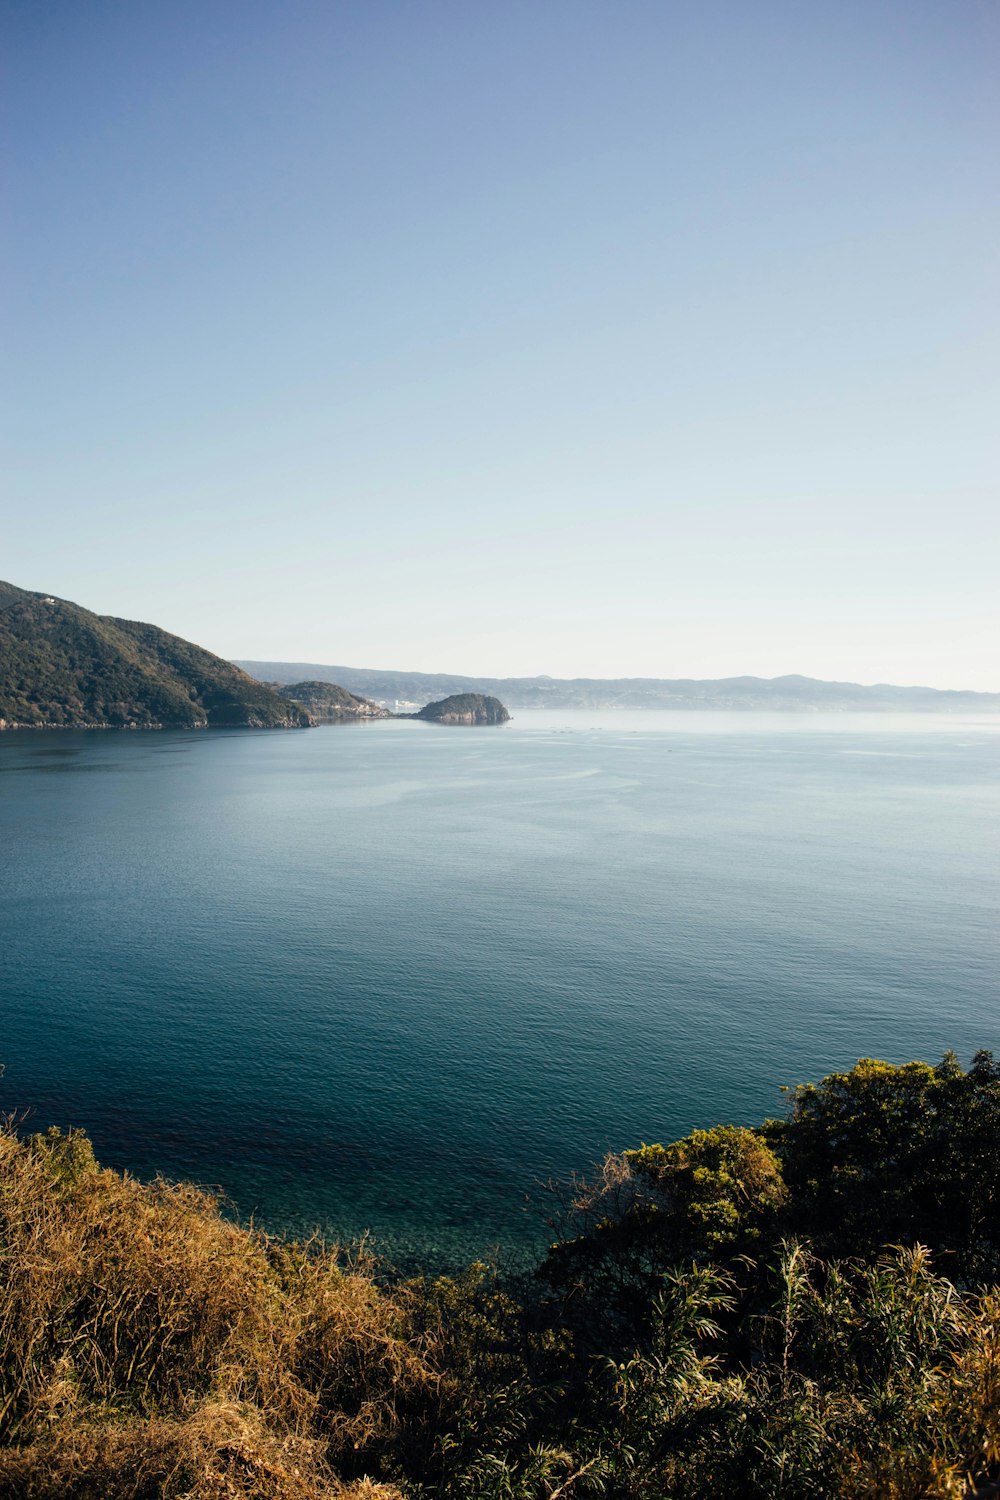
(389, 977)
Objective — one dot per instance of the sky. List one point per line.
(514, 336)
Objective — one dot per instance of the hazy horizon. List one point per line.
(578, 340)
(679, 676)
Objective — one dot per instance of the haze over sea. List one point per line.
(388, 977)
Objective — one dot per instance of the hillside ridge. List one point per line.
(329, 703)
(64, 667)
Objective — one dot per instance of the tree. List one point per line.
(888, 1155)
(714, 1196)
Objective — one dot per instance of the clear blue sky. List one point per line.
(511, 336)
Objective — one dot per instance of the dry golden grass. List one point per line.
(151, 1348)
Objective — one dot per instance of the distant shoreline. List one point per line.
(399, 691)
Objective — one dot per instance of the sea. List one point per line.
(392, 981)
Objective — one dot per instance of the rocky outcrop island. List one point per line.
(464, 708)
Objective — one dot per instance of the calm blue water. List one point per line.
(386, 977)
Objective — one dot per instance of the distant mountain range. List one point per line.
(63, 667)
(787, 694)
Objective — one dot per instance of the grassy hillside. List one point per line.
(702, 1325)
(62, 666)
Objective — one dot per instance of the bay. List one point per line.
(389, 977)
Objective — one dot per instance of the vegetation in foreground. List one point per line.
(807, 1309)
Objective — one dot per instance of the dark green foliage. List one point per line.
(879, 1155)
(889, 1154)
(722, 1187)
(715, 1196)
(860, 1380)
(497, 1380)
(61, 666)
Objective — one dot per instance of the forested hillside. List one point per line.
(326, 703)
(63, 667)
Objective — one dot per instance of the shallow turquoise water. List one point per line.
(387, 977)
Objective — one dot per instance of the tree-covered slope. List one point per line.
(62, 666)
(326, 703)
